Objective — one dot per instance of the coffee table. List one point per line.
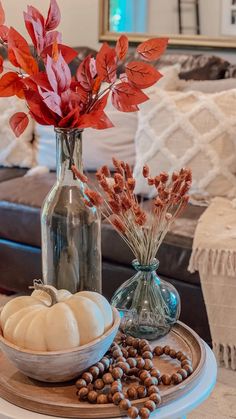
(174, 410)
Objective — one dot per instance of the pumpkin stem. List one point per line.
(39, 285)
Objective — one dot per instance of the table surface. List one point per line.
(176, 409)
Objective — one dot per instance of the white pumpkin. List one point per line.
(102, 304)
(54, 320)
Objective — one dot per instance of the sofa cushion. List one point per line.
(20, 202)
(192, 66)
(7, 173)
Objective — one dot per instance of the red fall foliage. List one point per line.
(44, 80)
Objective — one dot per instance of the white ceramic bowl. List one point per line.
(60, 366)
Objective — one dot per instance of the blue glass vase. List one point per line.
(148, 305)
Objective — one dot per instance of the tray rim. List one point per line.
(108, 411)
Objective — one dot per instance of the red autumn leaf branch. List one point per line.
(56, 98)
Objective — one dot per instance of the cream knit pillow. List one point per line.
(189, 129)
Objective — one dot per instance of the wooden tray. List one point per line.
(61, 400)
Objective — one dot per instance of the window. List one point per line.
(128, 16)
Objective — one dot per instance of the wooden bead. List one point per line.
(189, 369)
(124, 366)
(92, 396)
(116, 353)
(99, 384)
(176, 378)
(133, 372)
(107, 378)
(142, 392)
(114, 345)
(155, 373)
(142, 343)
(94, 371)
(132, 362)
(153, 389)
(148, 364)
(158, 350)
(150, 405)
(117, 373)
(147, 348)
(129, 340)
(147, 355)
(156, 398)
(83, 393)
(123, 337)
(166, 350)
(116, 389)
(133, 412)
(144, 374)
(109, 397)
(172, 353)
(132, 352)
(125, 352)
(150, 381)
(136, 343)
(121, 359)
(166, 379)
(90, 387)
(87, 376)
(140, 363)
(125, 404)
(183, 357)
(179, 354)
(144, 413)
(132, 393)
(106, 362)
(80, 383)
(117, 383)
(186, 362)
(100, 367)
(183, 373)
(117, 397)
(102, 399)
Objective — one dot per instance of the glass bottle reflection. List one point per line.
(71, 231)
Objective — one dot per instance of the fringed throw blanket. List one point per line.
(214, 256)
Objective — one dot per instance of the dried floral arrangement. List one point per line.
(44, 80)
(142, 230)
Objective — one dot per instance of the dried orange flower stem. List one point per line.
(142, 230)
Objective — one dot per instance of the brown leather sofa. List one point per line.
(20, 241)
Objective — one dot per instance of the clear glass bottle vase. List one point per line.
(148, 305)
(71, 231)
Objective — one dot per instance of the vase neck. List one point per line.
(69, 152)
(150, 267)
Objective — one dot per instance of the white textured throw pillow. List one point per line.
(15, 151)
(193, 130)
(99, 146)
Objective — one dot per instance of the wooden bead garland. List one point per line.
(130, 357)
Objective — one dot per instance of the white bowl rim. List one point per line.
(116, 323)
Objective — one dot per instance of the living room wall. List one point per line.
(79, 23)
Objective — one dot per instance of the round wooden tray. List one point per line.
(61, 400)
